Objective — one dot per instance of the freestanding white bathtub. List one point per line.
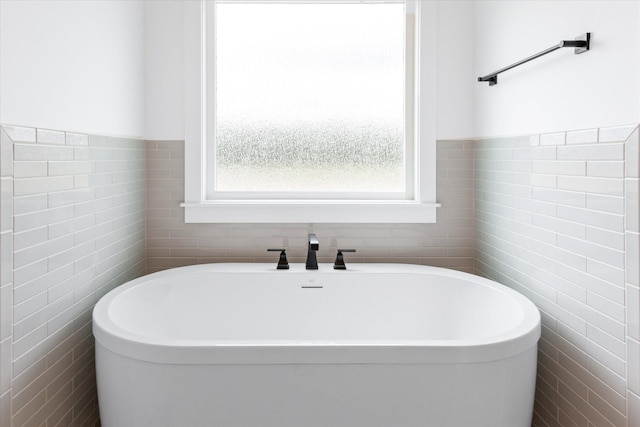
(226, 345)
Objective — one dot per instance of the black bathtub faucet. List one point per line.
(312, 259)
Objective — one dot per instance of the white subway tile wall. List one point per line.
(556, 218)
(6, 272)
(553, 216)
(172, 243)
(72, 214)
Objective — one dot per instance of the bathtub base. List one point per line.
(492, 394)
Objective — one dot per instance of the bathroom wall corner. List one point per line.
(632, 275)
(71, 229)
(557, 219)
(6, 276)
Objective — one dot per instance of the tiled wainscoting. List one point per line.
(556, 218)
(553, 216)
(73, 230)
(171, 242)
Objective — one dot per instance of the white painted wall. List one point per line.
(164, 70)
(560, 91)
(164, 95)
(456, 78)
(73, 65)
(117, 67)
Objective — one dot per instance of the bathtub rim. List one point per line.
(501, 346)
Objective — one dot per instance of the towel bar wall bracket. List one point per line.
(580, 44)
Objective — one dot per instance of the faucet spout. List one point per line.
(312, 259)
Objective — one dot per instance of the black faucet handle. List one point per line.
(339, 262)
(283, 264)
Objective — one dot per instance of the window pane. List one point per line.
(310, 97)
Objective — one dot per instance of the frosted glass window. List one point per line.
(311, 97)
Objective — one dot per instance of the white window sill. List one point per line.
(309, 211)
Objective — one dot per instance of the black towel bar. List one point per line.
(581, 45)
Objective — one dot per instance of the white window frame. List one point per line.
(420, 209)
